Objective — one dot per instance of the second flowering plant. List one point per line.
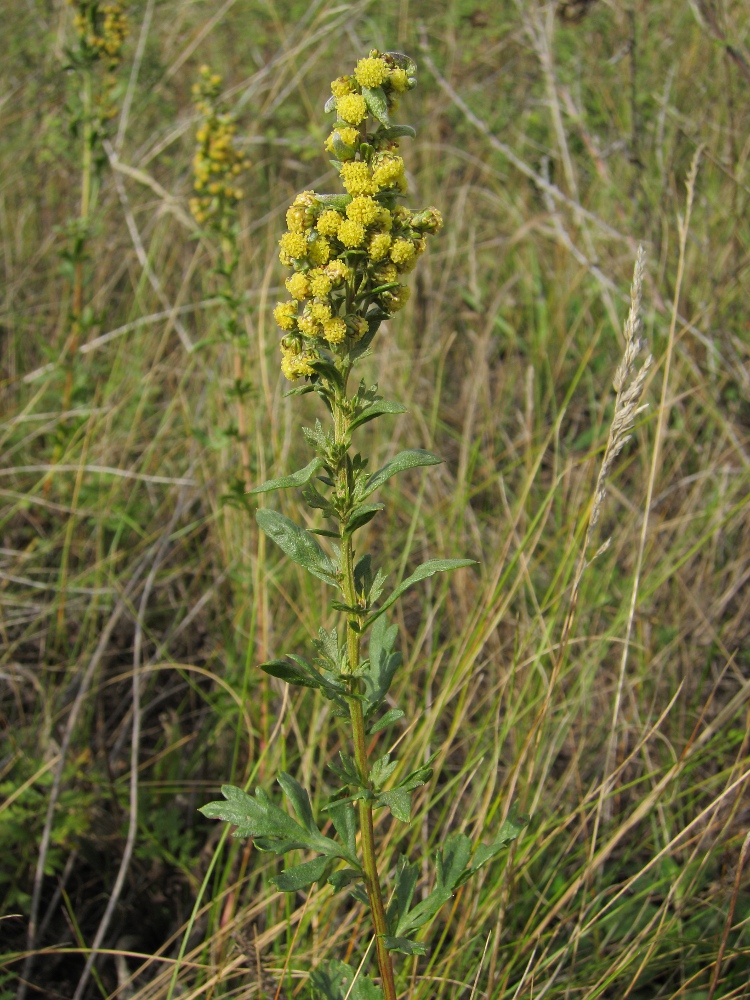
(349, 255)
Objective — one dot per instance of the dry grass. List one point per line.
(553, 148)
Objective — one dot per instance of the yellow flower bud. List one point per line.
(363, 209)
(351, 234)
(403, 253)
(352, 108)
(371, 72)
(342, 86)
(285, 315)
(309, 325)
(320, 251)
(294, 244)
(388, 171)
(328, 223)
(356, 178)
(298, 286)
(379, 246)
(295, 219)
(321, 311)
(320, 283)
(399, 80)
(334, 330)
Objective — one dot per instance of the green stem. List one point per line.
(369, 860)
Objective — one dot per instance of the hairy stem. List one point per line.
(369, 860)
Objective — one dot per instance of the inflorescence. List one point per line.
(217, 164)
(348, 252)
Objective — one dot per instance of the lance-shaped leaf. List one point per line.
(334, 980)
(288, 482)
(337, 201)
(298, 544)
(391, 716)
(427, 569)
(305, 675)
(343, 878)
(411, 459)
(299, 877)
(361, 516)
(397, 132)
(377, 103)
(376, 410)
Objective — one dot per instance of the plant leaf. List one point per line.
(427, 569)
(404, 945)
(382, 769)
(344, 821)
(509, 831)
(451, 860)
(392, 715)
(299, 798)
(383, 665)
(299, 877)
(360, 516)
(334, 980)
(295, 479)
(397, 132)
(377, 409)
(406, 882)
(398, 800)
(411, 459)
(298, 544)
(286, 672)
(377, 103)
(342, 878)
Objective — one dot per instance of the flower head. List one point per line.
(352, 108)
(348, 253)
(371, 72)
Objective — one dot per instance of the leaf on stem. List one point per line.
(360, 516)
(376, 410)
(509, 831)
(377, 103)
(411, 459)
(295, 479)
(398, 800)
(334, 980)
(404, 945)
(422, 572)
(383, 664)
(299, 877)
(298, 544)
(392, 715)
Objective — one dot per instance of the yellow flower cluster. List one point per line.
(347, 252)
(102, 29)
(217, 164)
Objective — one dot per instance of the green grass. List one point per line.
(505, 358)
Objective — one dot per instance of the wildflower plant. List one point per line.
(100, 32)
(218, 166)
(348, 254)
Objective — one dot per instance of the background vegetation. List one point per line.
(553, 144)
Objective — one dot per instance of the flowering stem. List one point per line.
(369, 860)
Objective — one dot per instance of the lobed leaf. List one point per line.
(291, 674)
(398, 800)
(299, 877)
(383, 664)
(404, 945)
(509, 831)
(335, 980)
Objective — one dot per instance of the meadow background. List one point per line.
(554, 139)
